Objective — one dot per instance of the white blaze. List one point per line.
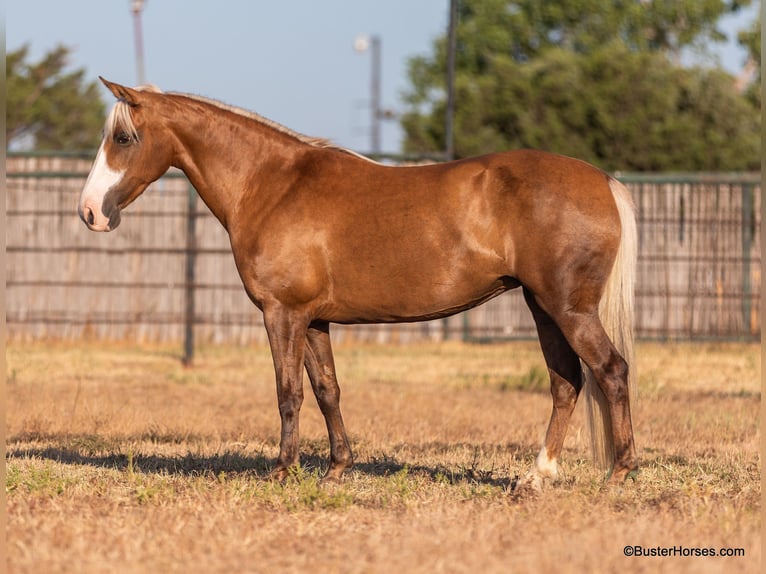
(100, 180)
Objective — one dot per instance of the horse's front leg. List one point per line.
(287, 337)
(321, 370)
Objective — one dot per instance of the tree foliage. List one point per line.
(49, 107)
(751, 40)
(595, 80)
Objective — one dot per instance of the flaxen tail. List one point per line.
(616, 313)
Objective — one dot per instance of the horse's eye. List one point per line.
(123, 138)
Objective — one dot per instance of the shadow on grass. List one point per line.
(189, 464)
(96, 452)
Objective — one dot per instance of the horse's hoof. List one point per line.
(332, 478)
(334, 475)
(620, 477)
(529, 486)
(279, 474)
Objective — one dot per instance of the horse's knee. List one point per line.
(290, 406)
(613, 379)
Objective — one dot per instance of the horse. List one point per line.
(322, 235)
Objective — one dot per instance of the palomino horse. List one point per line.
(323, 235)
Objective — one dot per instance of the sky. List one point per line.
(292, 61)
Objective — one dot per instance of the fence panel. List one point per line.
(698, 272)
(699, 264)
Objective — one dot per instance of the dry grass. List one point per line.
(121, 460)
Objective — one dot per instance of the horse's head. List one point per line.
(132, 155)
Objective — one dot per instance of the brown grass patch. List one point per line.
(121, 460)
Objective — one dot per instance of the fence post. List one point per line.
(466, 327)
(191, 255)
(747, 245)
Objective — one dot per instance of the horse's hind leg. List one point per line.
(581, 326)
(566, 382)
(321, 369)
(609, 368)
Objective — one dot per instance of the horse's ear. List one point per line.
(122, 93)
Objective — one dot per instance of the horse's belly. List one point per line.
(392, 301)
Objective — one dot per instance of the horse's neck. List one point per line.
(230, 159)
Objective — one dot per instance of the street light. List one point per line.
(362, 44)
(449, 144)
(137, 6)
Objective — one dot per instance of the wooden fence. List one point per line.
(167, 273)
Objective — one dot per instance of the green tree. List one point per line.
(49, 107)
(751, 40)
(588, 79)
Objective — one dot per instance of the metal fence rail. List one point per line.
(167, 274)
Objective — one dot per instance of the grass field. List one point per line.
(120, 460)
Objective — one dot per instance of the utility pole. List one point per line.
(449, 143)
(137, 6)
(372, 43)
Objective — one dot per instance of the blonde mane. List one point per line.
(121, 118)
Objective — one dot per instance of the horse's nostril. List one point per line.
(89, 217)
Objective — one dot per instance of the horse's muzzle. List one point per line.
(96, 220)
